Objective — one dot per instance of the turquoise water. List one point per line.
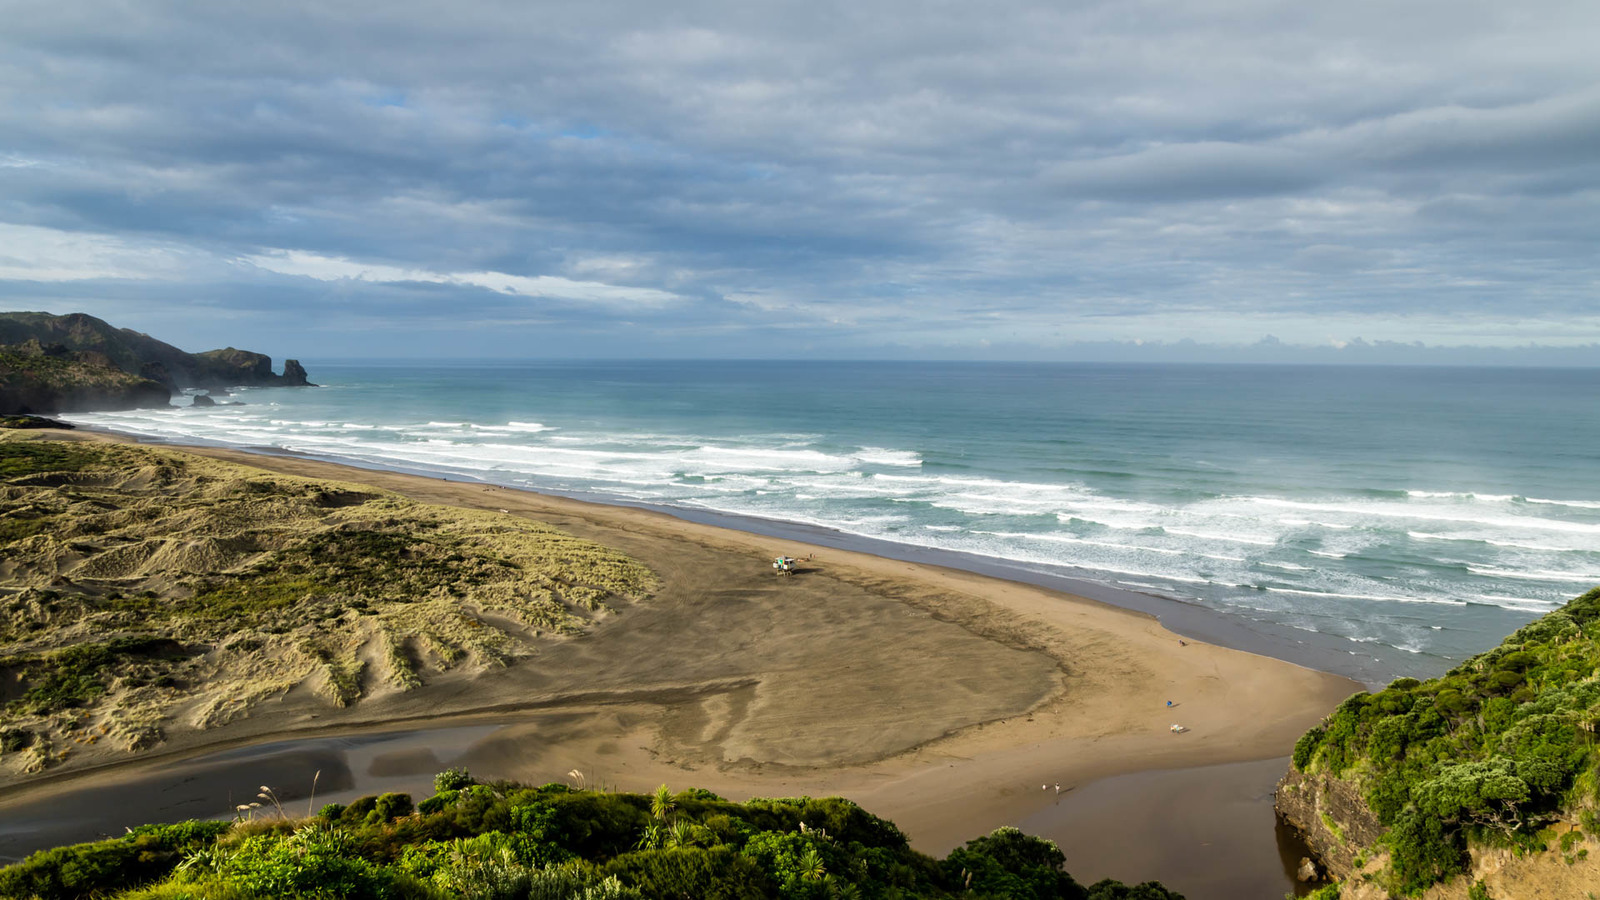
(1421, 512)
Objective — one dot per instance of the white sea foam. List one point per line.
(883, 456)
(1478, 538)
(1460, 496)
(1384, 598)
(1520, 603)
(1577, 504)
(1414, 512)
(513, 428)
(1494, 572)
(1053, 538)
(1231, 538)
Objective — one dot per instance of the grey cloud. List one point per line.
(1183, 173)
(1026, 162)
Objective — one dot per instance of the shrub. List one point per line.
(144, 854)
(799, 863)
(1423, 851)
(1008, 863)
(437, 802)
(842, 819)
(1116, 890)
(1306, 747)
(714, 874)
(390, 807)
(452, 780)
(358, 810)
(315, 861)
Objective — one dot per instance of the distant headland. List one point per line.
(78, 363)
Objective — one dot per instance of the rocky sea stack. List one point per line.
(77, 363)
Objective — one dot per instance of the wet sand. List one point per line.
(1209, 833)
(938, 698)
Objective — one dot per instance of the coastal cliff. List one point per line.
(76, 362)
(1482, 783)
(35, 381)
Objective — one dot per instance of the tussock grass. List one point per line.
(152, 584)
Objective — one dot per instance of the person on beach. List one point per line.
(1169, 704)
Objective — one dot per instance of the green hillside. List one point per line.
(1500, 753)
(503, 840)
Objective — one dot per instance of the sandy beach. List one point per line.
(937, 698)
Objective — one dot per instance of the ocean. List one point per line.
(1415, 515)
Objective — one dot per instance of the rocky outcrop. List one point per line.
(230, 366)
(202, 401)
(85, 338)
(294, 374)
(1331, 817)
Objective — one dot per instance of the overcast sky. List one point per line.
(1029, 180)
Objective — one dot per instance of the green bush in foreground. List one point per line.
(505, 841)
(144, 854)
(1488, 754)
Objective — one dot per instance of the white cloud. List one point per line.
(336, 268)
(31, 253)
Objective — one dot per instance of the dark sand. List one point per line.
(938, 698)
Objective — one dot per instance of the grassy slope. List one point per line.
(127, 349)
(137, 585)
(1487, 756)
(18, 370)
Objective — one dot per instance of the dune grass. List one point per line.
(139, 584)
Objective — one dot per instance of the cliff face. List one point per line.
(77, 362)
(1331, 816)
(140, 354)
(1486, 779)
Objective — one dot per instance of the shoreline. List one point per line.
(933, 696)
(1188, 619)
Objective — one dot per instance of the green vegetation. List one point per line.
(133, 572)
(76, 675)
(81, 338)
(144, 854)
(32, 422)
(1489, 754)
(504, 840)
(32, 380)
(19, 458)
